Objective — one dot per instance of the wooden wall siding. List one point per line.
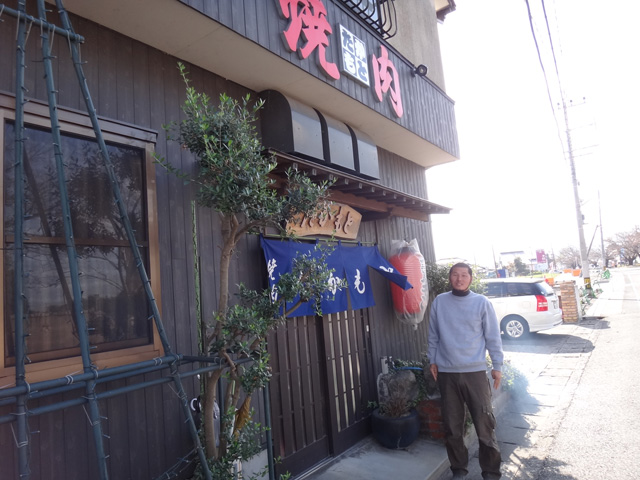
(136, 84)
(428, 111)
(401, 174)
(388, 335)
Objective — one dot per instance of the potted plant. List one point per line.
(395, 423)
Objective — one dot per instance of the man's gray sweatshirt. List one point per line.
(461, 330)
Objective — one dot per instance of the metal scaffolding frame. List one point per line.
(91, 376)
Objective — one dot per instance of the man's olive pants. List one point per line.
(473, 389)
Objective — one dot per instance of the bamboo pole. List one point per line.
(54, 407)
(24, 17)
(72, 255)
(22, 436)
(132, 240)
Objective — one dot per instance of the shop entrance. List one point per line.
(323, 379)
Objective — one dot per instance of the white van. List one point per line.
(523, 305)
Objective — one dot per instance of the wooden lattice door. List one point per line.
(323, 380)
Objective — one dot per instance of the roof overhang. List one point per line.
(205, 43)
(444, 7)
(373, 200)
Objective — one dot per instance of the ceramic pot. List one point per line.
(395, 432)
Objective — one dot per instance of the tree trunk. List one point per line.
(229, 228)
(208, 410)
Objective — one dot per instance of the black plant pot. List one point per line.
(395, 432)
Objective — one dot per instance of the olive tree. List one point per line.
(234, 180)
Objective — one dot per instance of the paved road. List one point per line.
(579, 416)
(598, 435)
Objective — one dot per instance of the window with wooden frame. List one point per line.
(114, 301)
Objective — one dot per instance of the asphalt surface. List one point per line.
(573, 414)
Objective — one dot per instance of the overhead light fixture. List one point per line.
(421, 70)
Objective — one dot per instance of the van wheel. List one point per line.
(515, 327)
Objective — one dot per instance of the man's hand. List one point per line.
(497, 377)
(434, 371)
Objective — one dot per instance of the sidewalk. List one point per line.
(520, 421)
(425, 459)
(525, 425)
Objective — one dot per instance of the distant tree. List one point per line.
(569, 257)
(519, 267)
(627, 245)
(595, 256)
(610, 252)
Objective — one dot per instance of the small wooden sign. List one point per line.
(342, 222)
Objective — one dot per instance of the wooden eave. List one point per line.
(373, 200)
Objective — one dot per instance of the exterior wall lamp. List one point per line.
(421, 70)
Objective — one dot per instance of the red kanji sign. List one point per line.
(308, 19)
(385, 79)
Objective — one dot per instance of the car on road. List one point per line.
(523, 305)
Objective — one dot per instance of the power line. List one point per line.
(544, 72)
(567, 131)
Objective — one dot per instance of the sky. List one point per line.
(512, 188)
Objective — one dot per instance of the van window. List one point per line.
(521, 289)
(494, 289)
(544, 289)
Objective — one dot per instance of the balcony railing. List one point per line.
(380, 15)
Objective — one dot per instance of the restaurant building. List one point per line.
(354, 92)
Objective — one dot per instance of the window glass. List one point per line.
(543, 288)
(114, 301)
(494, 289)
(94, 214)
(517, 289)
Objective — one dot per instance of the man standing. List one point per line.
(462, 328)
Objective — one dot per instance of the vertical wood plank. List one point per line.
(138, 430)
(119, 439)
(8, 450)
(306, 380)
(238, 17)
(273, 347)
(65, 78)
(141, 85)
(251, 19)
(225, 13)
(318, 375)
(287, 439)
(51, 438)
(34, 73)
(294, 372)
(8, 54)
(162, 399)
(174, 94)
(107, 80)
(76, 442)
(124, 79)
(347, 368)
(89, 54)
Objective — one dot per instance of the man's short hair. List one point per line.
(462, 265)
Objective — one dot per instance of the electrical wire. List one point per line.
(544, 71)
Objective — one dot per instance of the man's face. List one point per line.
(460, 278)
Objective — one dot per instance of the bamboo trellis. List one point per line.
(91, 376)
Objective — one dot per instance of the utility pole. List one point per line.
(586, 276)
(604, 256)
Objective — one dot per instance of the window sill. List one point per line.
(49, 370)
